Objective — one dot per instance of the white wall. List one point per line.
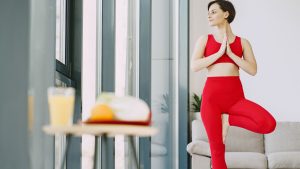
(270, 26)
(198, 27)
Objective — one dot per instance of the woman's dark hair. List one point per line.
(225, 6)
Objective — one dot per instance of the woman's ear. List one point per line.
(226, 15)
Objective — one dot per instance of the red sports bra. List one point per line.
(212, 47)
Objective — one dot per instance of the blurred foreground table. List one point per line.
(103, 130)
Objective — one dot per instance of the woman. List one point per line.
(223, 53)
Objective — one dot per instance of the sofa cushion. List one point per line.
(198, 131)
(198, 147)
(285, 137)
(237, 140)
(242, 140)
(284, 160)
(246, 160)
(200, 162)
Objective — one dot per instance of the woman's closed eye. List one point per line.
(212, 12)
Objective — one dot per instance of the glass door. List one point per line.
(163, 76)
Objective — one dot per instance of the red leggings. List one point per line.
(224, 94)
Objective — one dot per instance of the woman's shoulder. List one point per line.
(202, 39)
(244, 42)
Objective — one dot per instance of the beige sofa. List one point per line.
(246, 149)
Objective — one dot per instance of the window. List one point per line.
(63, 76)
(63, 61)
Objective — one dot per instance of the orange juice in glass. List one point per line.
(61, 105)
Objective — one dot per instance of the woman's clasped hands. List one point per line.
(225, 48)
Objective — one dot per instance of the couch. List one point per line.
(246, 149)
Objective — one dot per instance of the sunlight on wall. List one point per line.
(120, 62)
(88, 75)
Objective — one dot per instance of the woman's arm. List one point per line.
(198, 60)
(248, 64)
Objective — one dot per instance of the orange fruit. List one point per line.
(102, 112)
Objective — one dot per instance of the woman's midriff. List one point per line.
(223, 69)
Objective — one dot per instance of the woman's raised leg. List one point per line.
(251, 116)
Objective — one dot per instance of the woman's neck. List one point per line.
(220, 30)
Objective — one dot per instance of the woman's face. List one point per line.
(215, 15)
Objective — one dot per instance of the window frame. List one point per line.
(66, 68)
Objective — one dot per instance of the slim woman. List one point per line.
(223, 102)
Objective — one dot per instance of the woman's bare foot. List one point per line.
(225, 126)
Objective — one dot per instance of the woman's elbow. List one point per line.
(253, 72)
(193, 68)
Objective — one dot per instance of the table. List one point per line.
(104, 130)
